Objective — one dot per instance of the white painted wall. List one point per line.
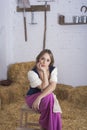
(68, 43)
(3, 67)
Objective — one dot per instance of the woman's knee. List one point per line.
(47, 101)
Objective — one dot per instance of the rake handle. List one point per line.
(45, 26)
(25, 29)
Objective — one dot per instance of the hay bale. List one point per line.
(78, 96)
(4, 95)
(12, 93)
(18, 72)
(62, 91)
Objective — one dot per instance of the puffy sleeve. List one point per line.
(53, 76)
(34, 79)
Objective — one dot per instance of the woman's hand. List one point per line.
(40, 67)
(36, 104)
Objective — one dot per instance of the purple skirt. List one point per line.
(48, 119)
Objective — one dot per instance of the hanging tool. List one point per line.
(83, 8)
(32, 18)
(45, 26)
(25, 28)
(24, 4)
(45, 21)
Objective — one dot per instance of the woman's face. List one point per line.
(45, 60)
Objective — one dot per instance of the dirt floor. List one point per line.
(73, 118)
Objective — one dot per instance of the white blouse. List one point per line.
(36, 81)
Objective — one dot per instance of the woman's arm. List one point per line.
(44, 75)
(51, 87)
(45, 81)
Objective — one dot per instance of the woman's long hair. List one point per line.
(43, 52)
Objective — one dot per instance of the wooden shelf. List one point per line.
(34, 8)
(61, 21)
(72, 23)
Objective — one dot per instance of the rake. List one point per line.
(24, 4)
(45, 21)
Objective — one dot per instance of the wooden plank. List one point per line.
(22, 128)
(34, 8)
(25, 128)
(73, 23)
(33, 123)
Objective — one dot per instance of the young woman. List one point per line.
(40, 97)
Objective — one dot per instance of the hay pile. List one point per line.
(74, 107)
(17, 74)
(73, 100)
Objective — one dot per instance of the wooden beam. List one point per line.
(34, 8)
